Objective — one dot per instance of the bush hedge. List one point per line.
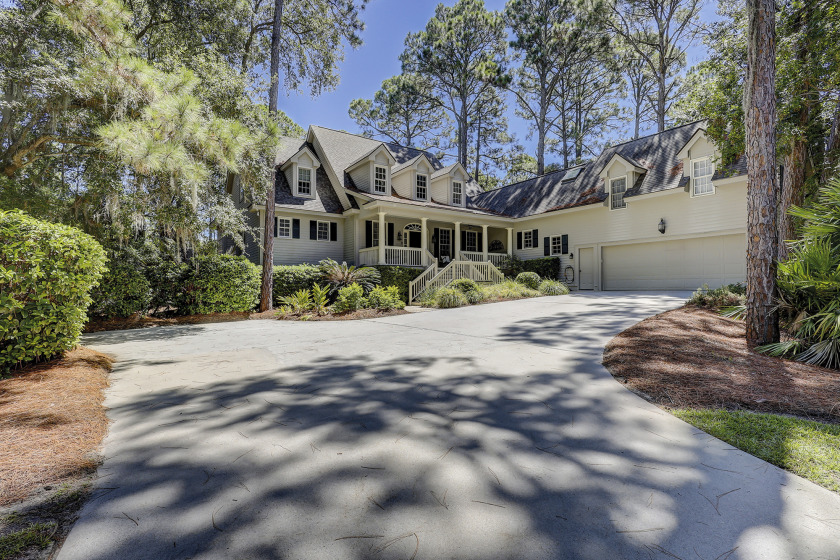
(465, 285)
(290, 279)
(546, 267)
(219, 284)
(399, 276)
(385, 297)
(528, 279)
(124, 290)
(47, 271)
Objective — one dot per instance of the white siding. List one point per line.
(305, 250)
(723, 212)
(361, 177)
(441, 189)
(403, 183)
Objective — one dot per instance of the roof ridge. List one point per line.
(655, 134)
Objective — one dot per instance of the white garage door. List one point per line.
(685, 264)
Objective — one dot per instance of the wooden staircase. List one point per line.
(433, 278)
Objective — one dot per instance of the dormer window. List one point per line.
(421, 187)
(457, 193)
(380, 179)
(617, 189)
(304, 182)
(701, 175)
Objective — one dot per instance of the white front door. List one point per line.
(586, 268)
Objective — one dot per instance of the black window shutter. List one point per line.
(313, 229)
(436, 241)
(564, 242)
(369, 233)
(333, 231)
(275, 226)
(296, 228)
(390, 234)
(518, 239)
(547, 246)
(535, 235)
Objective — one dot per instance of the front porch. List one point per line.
(422, 241)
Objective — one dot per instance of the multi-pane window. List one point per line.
(375, 233)
(323, 231)
(420, 189)
(284, 227)
(457, 193)
(528, 239)
(471, 241)
(617, 190)
(702, 174)
(559, 244)
(304, 181)
(380, 179)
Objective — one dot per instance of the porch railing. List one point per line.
(397, 256)
(496, 258)
(431, 279)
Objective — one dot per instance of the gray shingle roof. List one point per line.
(656, 153)
(325, 200)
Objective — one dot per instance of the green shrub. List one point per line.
(546, 267)
(298, 302)
(715, 299)
(399, 276)
(474, 297)
(427, 298)
(320, 299)
(512, 266)
(385, 298)
(350, 298)
(341, 275)
(46, 272)
(508, 289)
(464, 285)
(124, 290)
(219, 284)
(528, 279)
(553, 288)
(446, 298)
(290, 279)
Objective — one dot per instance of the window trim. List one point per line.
(279, 219)
(384, 180)
(298, 192)
(460, 194)
(425, 186)
(466, 247)
(711, 164)
(623, 202)
(318, 230)
(559, 239)
(528, 239)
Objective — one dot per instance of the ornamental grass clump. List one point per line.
(509, 289)
(718, 298)
(528, 279)
(465, 285)
(553, 288)
(46, 273)
(446, 298)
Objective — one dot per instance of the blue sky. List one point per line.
(387, 24)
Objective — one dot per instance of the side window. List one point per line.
(420, 192)
(457, 193)
(701, 173)
(527, 239)
(617, 189)
(304, 186)
(380, 179)
(323, 231)
(284, 228)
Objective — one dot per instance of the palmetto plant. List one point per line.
(341, 275)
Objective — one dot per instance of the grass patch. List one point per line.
(36, 535)
(809, 449)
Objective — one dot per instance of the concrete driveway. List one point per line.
(488, 432)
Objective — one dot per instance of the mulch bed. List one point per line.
(693, 357)
(139, 322)
(52, 420)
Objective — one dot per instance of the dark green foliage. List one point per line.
(719, 298)
(340, 275)
(124, 289)
(546, 267)
(166, 277)
(46, 273)
(350, 298)
(465, 285)
(385, 298)
(219, 284)
(529, 280)
(398, 276)
(290, 279)
(446, 298)
(553, 288)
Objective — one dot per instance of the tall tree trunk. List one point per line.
(477, 147)
(792, 193)
(266, 299)
(762, 320)
(462, 135)
(832, 147)
(660, 101)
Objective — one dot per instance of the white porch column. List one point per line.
(484, 244)
(457, 255)
(424, 243)
(510, 241)
(383, 233)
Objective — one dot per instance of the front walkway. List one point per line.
(475, 433)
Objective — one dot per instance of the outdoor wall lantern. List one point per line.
(662, 225)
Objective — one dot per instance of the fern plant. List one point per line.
(319, 299)
(298, 302)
